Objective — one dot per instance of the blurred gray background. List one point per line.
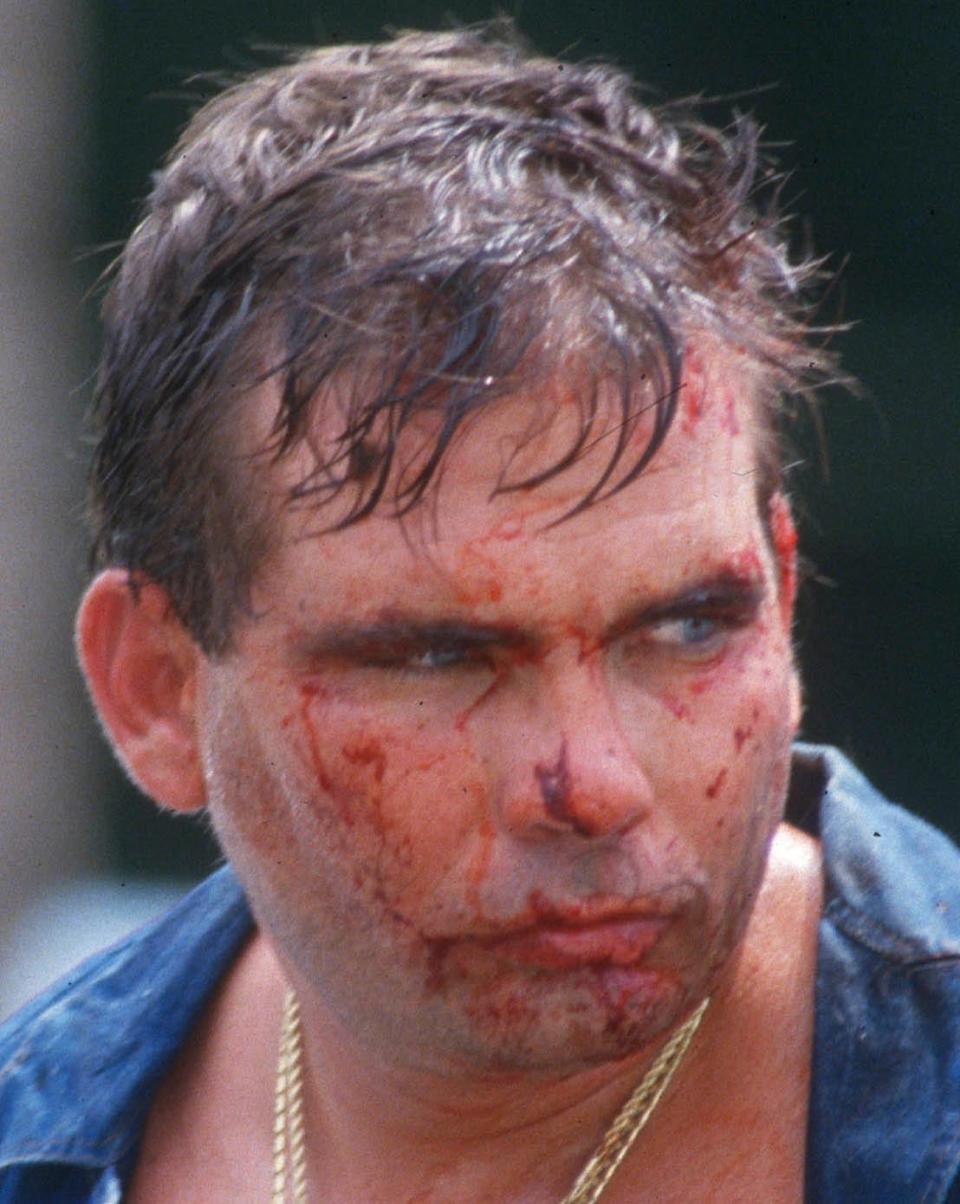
(867, 94)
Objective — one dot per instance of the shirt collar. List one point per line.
(890, 880)
(884, 1106)
(78, 1066)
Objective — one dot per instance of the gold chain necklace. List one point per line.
(289, 1147)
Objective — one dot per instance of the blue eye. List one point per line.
(693, 635)
(698, 629)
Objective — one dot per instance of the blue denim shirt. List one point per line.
(79, 1065)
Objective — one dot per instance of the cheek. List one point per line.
(403, 796)
(253, 784)
(724, 734)
(745, 765)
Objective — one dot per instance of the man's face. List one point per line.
(502, 792)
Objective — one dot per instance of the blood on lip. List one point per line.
(620, 942)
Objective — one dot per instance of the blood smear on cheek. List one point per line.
(307, 694)
(367, 752)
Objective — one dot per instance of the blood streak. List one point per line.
(307, 694)
(367, 752)
(785, 543)
(744, 563)
(741, 735)
(466, 715)
(678, 709)
(505, 530)
(692, 393)
(700, 684)
(587, 645)
(479, 867)
(477, 574)
(714, 788)
(728, 418)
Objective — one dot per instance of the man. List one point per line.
(445, 560)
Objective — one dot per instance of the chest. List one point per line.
(752, 1148)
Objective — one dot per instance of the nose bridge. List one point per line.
(582, 774)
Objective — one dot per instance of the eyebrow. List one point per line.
(723, 591)
(403, 630)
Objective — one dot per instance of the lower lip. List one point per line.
(614, 943)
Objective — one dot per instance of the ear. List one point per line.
(783, 533)
(141, 667)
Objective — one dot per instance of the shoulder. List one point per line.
(78, 1064)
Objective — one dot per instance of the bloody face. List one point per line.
(502, 792)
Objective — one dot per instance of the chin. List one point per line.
(597, 1015)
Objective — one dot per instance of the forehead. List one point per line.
(472, 539)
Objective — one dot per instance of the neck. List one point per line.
(384, 1132)
(463, 1136)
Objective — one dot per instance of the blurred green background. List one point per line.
(867, 97)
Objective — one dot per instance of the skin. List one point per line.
(502, 796)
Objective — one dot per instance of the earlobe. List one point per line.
(141, 667)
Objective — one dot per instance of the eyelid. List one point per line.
(719, 603)
(737, 602)
(410, 655)
(353, 640)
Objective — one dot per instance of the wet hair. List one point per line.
(417, 228)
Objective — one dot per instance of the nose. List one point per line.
(577, 774)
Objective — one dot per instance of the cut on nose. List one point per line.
(588, 790)
(554, 782)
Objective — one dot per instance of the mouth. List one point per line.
(558, 945)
